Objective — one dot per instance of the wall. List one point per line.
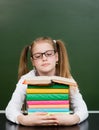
(76, 22)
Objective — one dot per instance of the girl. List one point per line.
(49, 58)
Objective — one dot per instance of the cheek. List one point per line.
(36, 63)
(53, 61)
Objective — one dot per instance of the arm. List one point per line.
(78, 105)
(14, 106)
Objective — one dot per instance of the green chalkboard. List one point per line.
(76, 22)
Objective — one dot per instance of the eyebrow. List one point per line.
(41, 52)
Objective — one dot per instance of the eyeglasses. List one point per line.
(48, 53)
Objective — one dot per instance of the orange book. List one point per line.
(48, 106)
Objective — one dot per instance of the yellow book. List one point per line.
(47, 90)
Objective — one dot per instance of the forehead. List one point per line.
(42, 47)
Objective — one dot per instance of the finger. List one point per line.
(48, 122)
(52, 115)
(47, 117)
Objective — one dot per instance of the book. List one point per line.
(30, 97)
(51, 102)
(48, 113)
(51, 86)
(47, 80)
(46, 90)
(48, 106)
(48, 110)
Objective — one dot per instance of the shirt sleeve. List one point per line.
(14, 106)
(78, 105)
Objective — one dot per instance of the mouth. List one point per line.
(45, 64)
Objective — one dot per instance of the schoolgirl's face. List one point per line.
(44, 58)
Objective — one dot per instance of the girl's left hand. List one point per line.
(66, 119)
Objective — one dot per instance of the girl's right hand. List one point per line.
(37, 119)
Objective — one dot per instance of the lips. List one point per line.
(45, 64)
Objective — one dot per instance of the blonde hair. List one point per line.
(62, 67)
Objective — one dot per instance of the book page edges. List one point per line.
(48, 82)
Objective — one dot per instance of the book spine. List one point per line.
(47, 90)
(51, 102)
(47, 96)
(55, 85)
(48, 110)
(53, 112)
(48, 106)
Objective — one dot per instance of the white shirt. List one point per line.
(14, 106)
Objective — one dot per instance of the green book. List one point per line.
(54, 85)
(47, 97)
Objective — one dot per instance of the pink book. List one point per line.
(51, 102)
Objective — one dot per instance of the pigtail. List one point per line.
(23, 69)
(63, 67)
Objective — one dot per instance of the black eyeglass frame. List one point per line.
(40, 55)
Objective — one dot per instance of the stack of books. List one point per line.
(48, 94)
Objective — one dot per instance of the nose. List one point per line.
(44, 57)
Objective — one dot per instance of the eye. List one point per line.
(49, 53)
(37, 56)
